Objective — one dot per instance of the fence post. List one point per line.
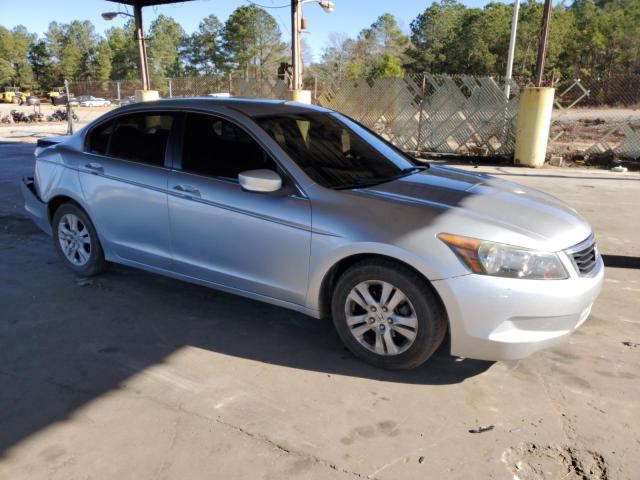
(315, 88)
(419, 139)
(118, 88)
(230, 84)
(170, 89)
(69, 110)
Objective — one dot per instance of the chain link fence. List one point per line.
(445, 114)
(596, 118)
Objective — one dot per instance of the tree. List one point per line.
(204, 50)
(42, 65)
(253, 42)
(386, 67)
(433, 34)
(164, 48)
(14, 48)
(103, 61)
(124, 52)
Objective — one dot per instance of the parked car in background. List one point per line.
(62, 100)
(301, 207)
(125, 101)
(92, 101)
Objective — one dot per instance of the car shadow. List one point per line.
(621, 261)
(244, 328)
(68, 341)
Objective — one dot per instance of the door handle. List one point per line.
(188, 190)
(95, 167)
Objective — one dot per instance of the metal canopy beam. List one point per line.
(147, 3)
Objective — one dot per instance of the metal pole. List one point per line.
(419, 139)
(118, 88)
(542, 46)
(142, 48)
(296, 67)
(512, 49)
(69, 110)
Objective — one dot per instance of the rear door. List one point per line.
(124, 178)
(256, 242)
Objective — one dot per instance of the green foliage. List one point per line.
(378, 51)
(124, 52)
(104, 58)
(598, 38)
(204, 50)
(386, 67)
(166, 40)
(14, 48)
(252, 41)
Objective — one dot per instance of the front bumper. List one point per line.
(492, 318)
(35, 207)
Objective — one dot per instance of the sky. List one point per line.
(349, 16)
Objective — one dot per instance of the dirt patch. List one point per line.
(529, 461)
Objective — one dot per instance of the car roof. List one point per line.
(253, 107)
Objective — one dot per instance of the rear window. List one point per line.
(140, 138)
(99, 139)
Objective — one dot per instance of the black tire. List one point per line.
(431, 316)
(96, 263)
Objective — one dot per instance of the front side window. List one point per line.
(217, 148)
(141, 138)
(334, 151)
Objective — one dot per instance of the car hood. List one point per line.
(488, 208)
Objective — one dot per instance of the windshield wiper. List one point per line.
(370, 182)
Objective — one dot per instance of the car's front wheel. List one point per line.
(387, 315)
(75, 238)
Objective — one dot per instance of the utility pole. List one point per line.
(542, 46)
(512, 49)
(296, 56)
(142, 47)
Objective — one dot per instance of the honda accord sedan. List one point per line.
(304, 208)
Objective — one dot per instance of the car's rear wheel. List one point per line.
(75, 238)
(388, 315)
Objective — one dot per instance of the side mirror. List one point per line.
(262, 180)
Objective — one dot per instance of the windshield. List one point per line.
(335, 151)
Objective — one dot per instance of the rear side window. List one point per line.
(217, 148)
(99, 139)
(139, 138)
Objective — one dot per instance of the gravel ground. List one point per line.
(132, 375)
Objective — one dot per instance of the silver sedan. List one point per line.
(304, 208)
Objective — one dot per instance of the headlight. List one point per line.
(500, 260)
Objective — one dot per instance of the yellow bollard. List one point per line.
(147, 95)
(302, 96)
(534, 121)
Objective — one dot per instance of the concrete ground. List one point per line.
(134, 376)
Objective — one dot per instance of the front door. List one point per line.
(255, 242)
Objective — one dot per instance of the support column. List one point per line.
(297, 94)
(534, 122)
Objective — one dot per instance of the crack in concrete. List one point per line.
(277, 446)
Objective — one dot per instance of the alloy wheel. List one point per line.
(381, 317)
(74, 239)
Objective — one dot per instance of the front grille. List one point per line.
(585, 258)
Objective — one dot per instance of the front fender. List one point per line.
(322, 263)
